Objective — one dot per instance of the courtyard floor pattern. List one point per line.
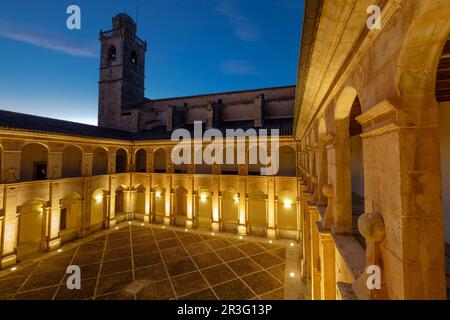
(152, 263)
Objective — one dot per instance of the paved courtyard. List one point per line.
(149, 262)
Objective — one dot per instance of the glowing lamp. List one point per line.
(203, 197)
(158, 194)
(287, 203)
(236, 199)
(98, 198)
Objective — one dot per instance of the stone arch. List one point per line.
(286, 207)
(34, 162)
(158, 203)
(287, 162)
(70, 216)
(121, 160)
(98, 212)
(204, 207)
(229, 209)
(71, 161)
(140, 162)
(416, 80)
(120, 201)
(30, 231)
(159, 160)
(179, 210)
(343, 217)
(139, 202)
(100, 161)
(257, 212)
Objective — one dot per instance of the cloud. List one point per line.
(238, 67)
(46, 40)
(244, 29)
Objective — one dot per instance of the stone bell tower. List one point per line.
(122, 65)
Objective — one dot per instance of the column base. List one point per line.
(242, 230)
(271, 233)
(215, 226)
(112, 223)
(189, 223)
(8, 261)
(54, 243)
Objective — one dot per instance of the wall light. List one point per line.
(287, 203)
(98, 198)
(203, 197)
(13, 268)
(236, 199)
(59, 250)
(292, 274)
(158, 194)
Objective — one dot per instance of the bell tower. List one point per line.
(122, 68)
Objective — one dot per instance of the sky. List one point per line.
(194, 47)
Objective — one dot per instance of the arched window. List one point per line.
(112, 53)
(141, 161)
(71, 165)
(121, 161)
(100, 162)
(33, 164)
(134, 57)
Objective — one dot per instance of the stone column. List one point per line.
(327, 264)
(54, 241)
(190, 202)
(86, 164)
(242, 228)
(10, 226)
(111, 162)
(215, 204)
(168, 196)
(271, 210)
(10, 171)
(54, 167)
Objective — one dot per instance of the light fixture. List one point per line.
(212, 233)
(291, 244)
(240, 237)
(292, 274)
(163, 227)
(236, 199)
(13, 269)
(158, 194)
(203, 197)
(59, 250)
(270, 241)
(129, 222)
(142, 224)
(117, 228)
(287, 203)
(98, 198)
(186, 230)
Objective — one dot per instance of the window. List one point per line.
(112, 53)
(133, 57)
(63, 219)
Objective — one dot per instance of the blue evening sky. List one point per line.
(194, 47)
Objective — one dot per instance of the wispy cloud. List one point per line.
(244, 29)
(238, 67)
(44, 39)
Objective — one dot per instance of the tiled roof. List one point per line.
(25, 122)
(21, 121)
